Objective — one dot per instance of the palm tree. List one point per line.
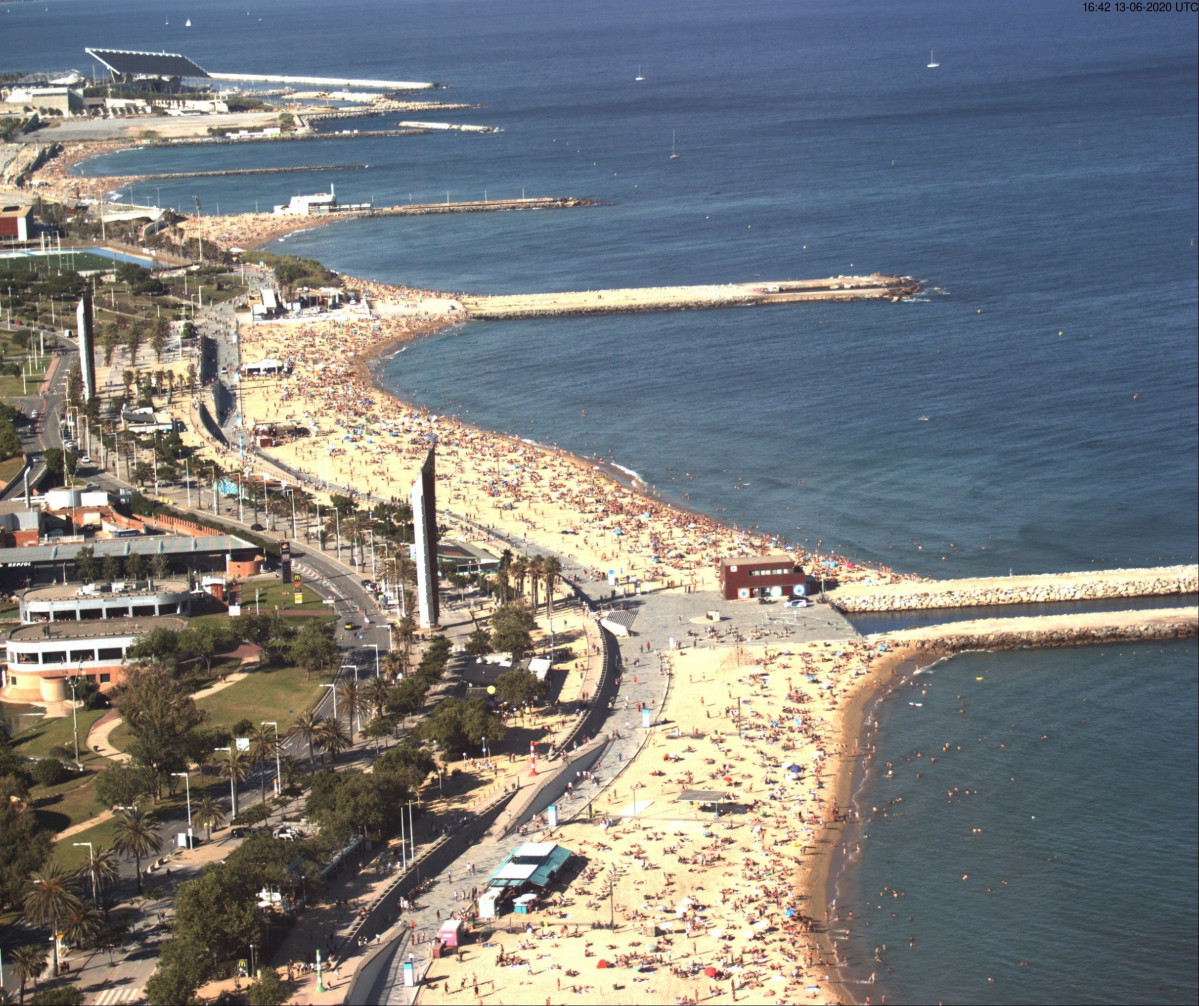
(291, 773)
(81, 923)
(518, 570)
(48, 899)
(28, 962)
(374, 694)
(333, 738)
(308, 725)
(536, 568)
(351, 699)
(262, 752)
(99, 869)
(551, 570)
(405, 629)
(136, 836)
(209, 814)
(235, 768)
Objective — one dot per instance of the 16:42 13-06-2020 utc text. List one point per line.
(1142, 7)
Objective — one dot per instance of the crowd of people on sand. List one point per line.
(362, 436)
(716, 905)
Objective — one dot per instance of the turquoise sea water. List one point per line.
(1035, 410)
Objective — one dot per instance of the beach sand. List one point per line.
(743, 893)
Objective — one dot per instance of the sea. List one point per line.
(1034, 409)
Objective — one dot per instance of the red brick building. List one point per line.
(745, 577)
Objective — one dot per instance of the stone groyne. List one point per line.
(1160, 581)
(684, 298)
(1152, 626)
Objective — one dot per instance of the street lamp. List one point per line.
(232, 782)
(278, 767)
(375, 647)
(91, 866)
(73, 681)
(334, 687)
(188, 783)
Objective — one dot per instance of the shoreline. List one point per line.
(850, 718)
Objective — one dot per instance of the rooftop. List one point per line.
(147, 64)
(96, 628)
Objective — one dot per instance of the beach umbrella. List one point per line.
(603, 964)
(790, 913)
(710, 971)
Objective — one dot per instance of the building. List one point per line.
(159, 72)
(306, 206)
(16, 224)
(745, 577)
(44, 564)
(41, 658)
(102, 601)
(465, 558)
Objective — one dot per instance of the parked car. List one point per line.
(796, 602)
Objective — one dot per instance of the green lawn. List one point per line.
(278, 694)
(44, 734)
(8, 469)
(68, 803)
(272, 594)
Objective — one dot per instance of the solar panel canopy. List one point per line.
(127, 63)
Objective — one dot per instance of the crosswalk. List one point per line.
(117, 995)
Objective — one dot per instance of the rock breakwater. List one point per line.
(1036, 589)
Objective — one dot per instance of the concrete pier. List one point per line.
(682, 298)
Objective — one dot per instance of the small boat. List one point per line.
(187, 23)
(932, 63)
(639, 77)
(674, 154)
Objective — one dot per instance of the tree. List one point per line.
(262, 751)
(209, 814)
(235, 768)
(85, 563)
(28, 962)
(51, 894)
(81, 922)
(351, 698)
(334, 738)
(374, 695)
(25, 846)
(110, 338)
(519, 687)
(123, 785)
(183, 966)
(161, 714)
(478, 644)
(291, 775)
(551, 571)
(267, 990)
(314, 647)
(136, 836)
(410, 765)
(110, 568)
(511, 629)
(457, 725)
(308, 725)
(101, 869)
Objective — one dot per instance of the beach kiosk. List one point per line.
(451, 934)
(489, 903)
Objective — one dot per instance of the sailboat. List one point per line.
(187, 23)
(932, 63)
(639, 77)
(674, 154)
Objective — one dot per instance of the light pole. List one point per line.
(278, 767)
(73, 681)
(91, 866)
(232, 783)
(375, 647)
(188, 783)
(334, 687)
